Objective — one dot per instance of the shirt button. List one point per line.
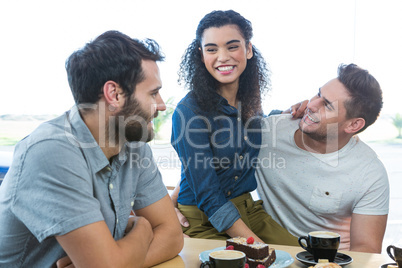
(117, 220)
(111, 186)
(109, 169)
(229, 193)
(132, 203)
(245, 138)
(236, 177)
(241, 157)
(239, 119)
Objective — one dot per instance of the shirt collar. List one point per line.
(225, 107)
(79, 135)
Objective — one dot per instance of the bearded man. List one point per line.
(72, 184)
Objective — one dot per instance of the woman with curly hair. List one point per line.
(216, 133)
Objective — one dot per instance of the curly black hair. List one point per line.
(254, 82)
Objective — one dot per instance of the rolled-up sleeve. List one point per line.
(225, 217)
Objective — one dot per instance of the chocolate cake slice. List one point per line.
(270, 259)
(256, 250)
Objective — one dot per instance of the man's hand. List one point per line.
(182, 219)
(174, 195)
(297, 110)
(134, 221)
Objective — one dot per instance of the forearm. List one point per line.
(239, 228)
(167, 243)
(93, 246)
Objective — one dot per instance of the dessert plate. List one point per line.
(283, 259)
(307, 258)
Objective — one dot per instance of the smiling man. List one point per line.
(328, 178)
(72, 184)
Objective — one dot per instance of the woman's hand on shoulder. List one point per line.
(297, 110)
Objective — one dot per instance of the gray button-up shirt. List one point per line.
(60, 180)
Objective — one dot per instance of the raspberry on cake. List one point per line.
(250, 240)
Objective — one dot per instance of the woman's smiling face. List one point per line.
(225, 53)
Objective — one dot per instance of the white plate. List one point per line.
(283, 259)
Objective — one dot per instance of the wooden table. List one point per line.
(189, 256)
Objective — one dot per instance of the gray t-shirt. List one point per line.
(60, 180)
(306, 192)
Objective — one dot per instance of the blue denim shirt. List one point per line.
(218, 156)
(60, 180)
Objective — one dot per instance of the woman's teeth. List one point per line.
(225, 68)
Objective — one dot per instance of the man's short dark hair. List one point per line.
(111, 56)
(365, 93)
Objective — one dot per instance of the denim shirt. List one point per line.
(218, 156)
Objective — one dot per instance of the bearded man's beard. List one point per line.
(131, 123)
(317, 136)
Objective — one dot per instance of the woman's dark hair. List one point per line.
(365, 93)
(111, 56)
(254, 81)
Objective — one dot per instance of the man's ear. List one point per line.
(354, 125)
(113, 94)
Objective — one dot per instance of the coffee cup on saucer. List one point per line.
(321, 244)
(397, 255)
(225, 259)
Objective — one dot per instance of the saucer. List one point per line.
(283, 259)
(308, 259)
(386, 265)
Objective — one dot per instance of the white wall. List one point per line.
(303, 41)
